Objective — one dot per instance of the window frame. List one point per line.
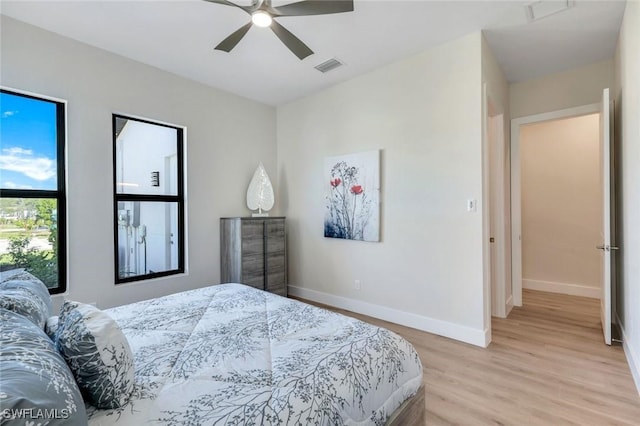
(178, 198)
(59, 194)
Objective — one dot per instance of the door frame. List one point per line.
(516, 199)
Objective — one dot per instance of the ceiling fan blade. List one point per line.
(230, 42)
(314, 7)
(228, 3)
(294, 44)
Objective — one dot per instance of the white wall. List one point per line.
(567, 89)
(425, 114)
(627, 97)
(227, 136)
(561, 199)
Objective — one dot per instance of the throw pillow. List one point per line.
(98, 354)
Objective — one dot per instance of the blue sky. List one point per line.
(27, 143)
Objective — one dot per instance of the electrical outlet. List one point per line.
(356, 285)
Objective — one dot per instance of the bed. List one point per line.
(233, 355)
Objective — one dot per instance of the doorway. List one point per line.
(516, 184)
(501, 299)
(497, 211)
(561, 199)
(553, 245)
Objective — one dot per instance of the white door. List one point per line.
(605, 170)
(497, 219)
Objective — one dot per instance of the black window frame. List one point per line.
(59, 194)
(178, 198)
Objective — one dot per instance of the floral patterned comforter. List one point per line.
(233, 355)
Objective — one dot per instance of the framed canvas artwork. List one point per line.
(352, 184)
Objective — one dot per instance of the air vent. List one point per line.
(329, 65)
(542, 9)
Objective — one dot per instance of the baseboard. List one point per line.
(633, 359)
(509, 305)
(564, 288)
(487, 337)
(419, 322)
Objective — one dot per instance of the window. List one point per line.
(148, 199)
(32, 187)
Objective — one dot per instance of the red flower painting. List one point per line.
(351, 210)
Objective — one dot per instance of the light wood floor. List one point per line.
(547, 365)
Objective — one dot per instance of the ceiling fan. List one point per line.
(263, 14)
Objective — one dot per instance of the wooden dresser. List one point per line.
(253, 252)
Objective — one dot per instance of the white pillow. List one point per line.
(97, 353)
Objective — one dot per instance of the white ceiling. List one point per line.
(179, 36)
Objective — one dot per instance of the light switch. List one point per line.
(471, 205)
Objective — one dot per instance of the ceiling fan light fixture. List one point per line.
(263, 13)
(261, 18)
